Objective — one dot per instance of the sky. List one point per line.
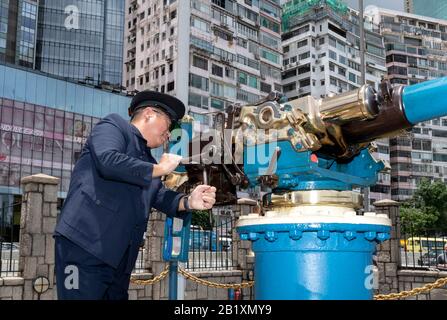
(387, 4)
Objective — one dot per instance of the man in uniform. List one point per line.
(113, 187)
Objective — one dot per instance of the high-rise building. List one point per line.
(416, 51)
(321, 46)
(81, 39)
(207, 53)
(431, 8)
(18, 29)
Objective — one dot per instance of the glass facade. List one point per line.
(18, 29)
(26, 34)
(43, 124)
(4, 12)
(431, 8)
(81, 40)
(36, 139)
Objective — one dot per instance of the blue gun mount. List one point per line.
(308, 155)
(310, 243)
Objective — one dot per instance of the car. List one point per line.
(429, 259)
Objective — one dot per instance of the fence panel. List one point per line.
(9, 244)
(212, 249)
(424, 249)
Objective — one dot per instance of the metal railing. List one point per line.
(424, 250)
(212, 249)
(9, 245)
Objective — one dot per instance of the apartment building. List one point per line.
(209, 54)
(321, 46)
(416, 51)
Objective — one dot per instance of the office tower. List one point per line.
(18, 29)
(431, 8)
(81, 40)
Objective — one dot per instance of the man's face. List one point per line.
(156, 127)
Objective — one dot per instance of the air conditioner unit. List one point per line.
(257, 57)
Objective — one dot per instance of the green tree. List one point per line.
(415, 220)
(427, 209)
(202, 218)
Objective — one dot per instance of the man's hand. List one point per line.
(202, 198)
(167, 164)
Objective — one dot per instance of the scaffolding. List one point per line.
(295, 8)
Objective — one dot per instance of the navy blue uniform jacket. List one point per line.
(112, 191)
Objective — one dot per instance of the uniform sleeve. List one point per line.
(108, 145)
(167, 201)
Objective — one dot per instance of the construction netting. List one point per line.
(295, 8)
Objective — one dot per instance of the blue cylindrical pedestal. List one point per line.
(303, 261)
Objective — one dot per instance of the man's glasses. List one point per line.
(165, 116)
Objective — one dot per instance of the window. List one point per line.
(301, 44)
(419, 144)
(352, 77)
(198, 100)
(253, 82)
(242, 77)
(198, 82)
(265, 87)
(304, 69)
(331, 66)
(304, 55)
(289, 74)
(229, 72)
(200, 62)
(269, 24)
(200, 24)
(439, 133)
(289, 87)
(305, 83)
(217, 104)
(269, 55)
(332, 55)
(296, 32)
(217, 70)
(171, 86)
